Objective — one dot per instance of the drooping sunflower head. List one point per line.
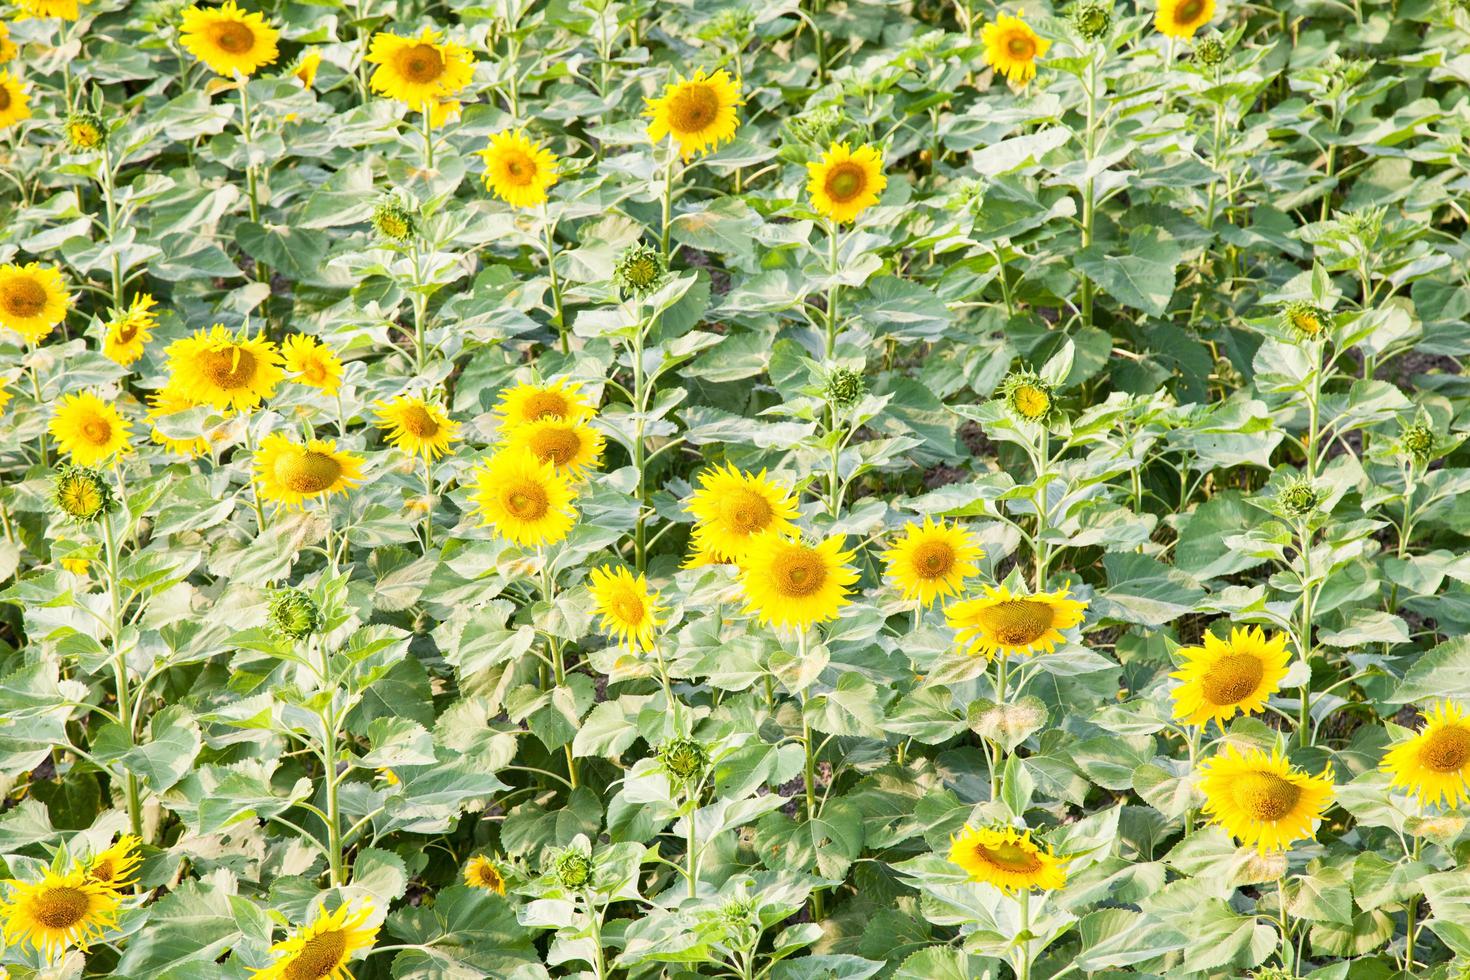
(1226, 677)
(82, 494)
(290, 472)
(483, 872)
(1263, 800)
(1007, 858)
(417, 426)
(167, 401)
(628, 608)
(15, 102)
(394, 220)
(306, 67)
(1029, 397)
(525, 403)
(518, 170)
(229, 40)
(523, 499)
(698, 112)
(1181, 18)
(1012, 48)
(89, 429)
(33, 298)
(1434, 765)
(418, 70)
(572, 447)
(59, 911)
(314, 363)
(1307, 321)
(292, 614)
(114, 867)
(639, 271)
(846, 182)
(1001, 622)
(1299, 498)
(731, 507)
(126, 335)
(932, 560)
(684, 759)
(442, 111)
(85, 131)
(1091, 19)
(222, 370)
(789, 583)
(322, 950)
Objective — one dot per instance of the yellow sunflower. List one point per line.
(700, 555)
(218, 369)
(523, 499)
(416, 70)
(698, 112)
(790, 583)
(33, 298)
(1008, 859)
(321, 950)
(15, 104)
(1435, 764)
(89, 429)
(1012, 47)
(845, 183)
(416, 426)
(556, 399)
(482, 872)
(1261, 799)
(127, 334)
(288, 472)
(78, 567)
(1181, 18)
(315, 364)
(1224, 678)
(932, 561)
(628, 609)
(572, 447)
(114, 867)
(60, 9)
(999, 621)
(442, 111)
(5, 397)
(306, 67)
(8, 50)
(731, 507)
(58, 911)
(228, 39)
(165, 402)
(518, 170)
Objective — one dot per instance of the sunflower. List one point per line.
(932, 561)
(1435, 764)
(700, 556)
(127, 334)
(306, 67)
(5, 397)
(572, 447)
(113, 868)
(442, 111)
(1012, 47)
(1008, 859)
(33, 298)
(163, 403)
(218, 369)
(628, 609)
(790, 583)
(523, 499)
(228, 39)
(78, 567)
(698, 112)
(999, 622)
(15, 104)
(315, 364)
(1227, 677)
(89, 429)
(556, 399)
(1181, 18)
(731, 507)
(1028, 396)
(58, 911)
(416, 70)
(484, 873)
(288, 472)
(8, 50)
(518, 170)
(1261, 799)
(416, 426)
(44, 9)
(321, 950)
(845, 183)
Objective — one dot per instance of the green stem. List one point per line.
(420, 313)
(640, 409)
(120, 672)
(809, 772)
(548, 228)
(109, 196)
(831, 347)
(250, 478)
(251, 190)
(1043, 554)
(1304, 632)
(558, 662)
(428, 140)
(1287, 958)
(1024, 972)
(1089, 205)
(668, 201)
(41, 443)
(428, 503)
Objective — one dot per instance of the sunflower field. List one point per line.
(911, 489)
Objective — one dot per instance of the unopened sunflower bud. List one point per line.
(1210, 50)
(1418, 441)
(1028, 396)
(394, 220)
(684, 759)
(85, 131)
(82, 494)
(573, 869)
(844, 387)
(1092, 20)
(293, 615)
(1299, 498)
(640, 270)
(1308, 321)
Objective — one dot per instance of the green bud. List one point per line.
(844, 387)
(818, 128)
(394, 220)
(1210, 50)
(85, 131)
(1299, 498)
(1418, 441)
(1028, 396)
(293, 615)
(572, 868)
(684, 759)
(1091, 19)
(640, 270)
(82, 493)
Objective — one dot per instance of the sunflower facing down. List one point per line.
(932, 561)
(229, 40)
(417, 426)
(307, 66)
(1181, 18)
(114, 867)
(1434, 765)
(442, 111)
(628, 609)
(1012, 47)
(1000, 622)
(89, 429)
(483, 872)
(558, 399)
(845, 182)
(33, 299)
(1008, 859)
(321, 950)
(525, 500)
(1263, 800)
(1227, 677)
(572, 447)
(731, 507)
(218, 369)
(58, 911)
(163, 403)
(127, 334)
(288, 472)
(697, 112)
(315, 364)
(790, 583)
(15, 104)
(518, 170)
(419, 70)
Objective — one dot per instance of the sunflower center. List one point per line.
(233, 37)
(4, 98)
(1020, 46)
(519, 169)
(1009, 857)
(1032, 402)
(310, 472)
(488, 876)
(527, 501)
(1446, 749)
(845, 182)
(230, 368)
(62, 907)
(320, 955)
(97, 430)
(800, 573)
(420, 64)
(556, 446)
(544, 403)
(1232, 678)
(23, 296)
(628, 608)
(1306, 323)
(102, 871)
(1017, 622)
(693, 108)
(126, 331)
(1189, 11)
(747, 511)
(417, 422)
(1266, 796)
(314, 371)
(933, 559)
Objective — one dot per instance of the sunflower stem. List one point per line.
(548, 229)
(120, 671)
(1089, 205)
(1304, 632)
(1024, 936)
(832, 243)
(40, 401)
(640, 462)
(558, 665)
(809, 770)
(420, 313)
(250, 478)
(1042, 555)
(428, 141)
(1287, 958)
(668, 202)
(329, 767)
(109, 197)
(428, 503)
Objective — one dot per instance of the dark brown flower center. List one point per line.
(543, 403)
(747, 511)
(24, 296)
(233, 37)
(933, 559)
(1009, 857)
(97, 430)
(527, 501)
(693, 108)
(845, 182)
(1189, 11)
(417, 422)
(420, 64)
(62, 907)
(557, 446)
(230, 367)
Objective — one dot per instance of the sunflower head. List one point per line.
(291, 472)
(1211, 50)
(306, 67)
(522, 404)
(417, 426)
(1263, 800)
(572, 868)
(33, 297)
(89, 429)
(484, 872)
(82, 494)
(1307, 321)
(518, 170)
(114, 867)
(1434, 765)
(524, 499)
(1181, 18)
(683, 759)
(999, 621)
(1419, 442)
(697, 113)
(629, 609)
(1299, 498)
(1029, 397)
(127, 334)
(229, 40)
(844, 387)
(846, 182)
(1091, 19)
(639, 270)
(731, 507)
(571, 447)
(15, 102)
(932, 561)
(223, 370)
(418, 70)
(85, 131)
(1009, 859)
(1225, 677)
(321, 950)
(789, 583)
(394, 220)
(1012, 48)
(293, 615)
(59, 911)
